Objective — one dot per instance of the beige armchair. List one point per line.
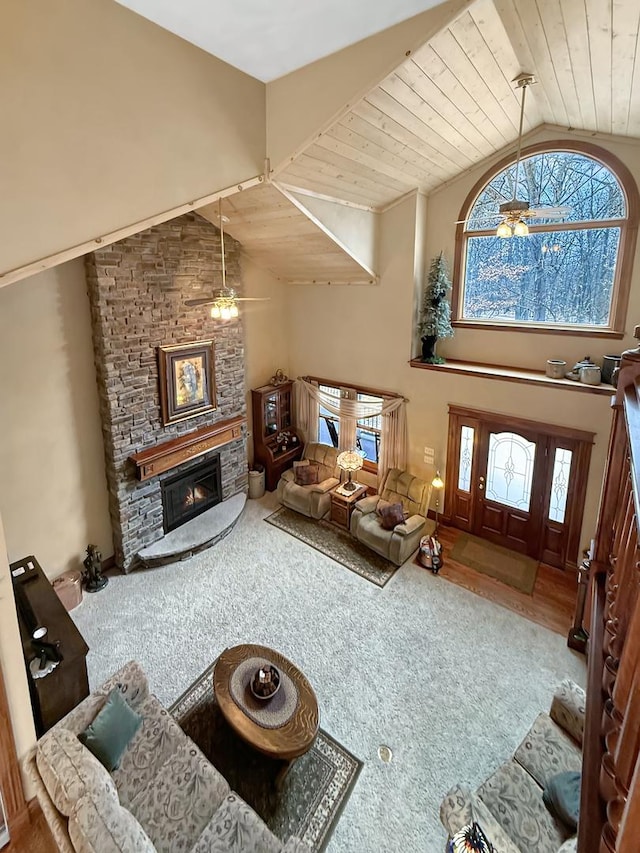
(314, 500)
(398, 544)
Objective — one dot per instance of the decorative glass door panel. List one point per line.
(465, 459)
(271, 414)
(510, 469)
(517, 483)
(560, 484)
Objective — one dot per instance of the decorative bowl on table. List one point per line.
(266, 682)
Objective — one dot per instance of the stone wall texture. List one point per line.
(137, 289)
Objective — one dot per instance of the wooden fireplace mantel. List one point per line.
(162, 457)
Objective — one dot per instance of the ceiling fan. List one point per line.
(515, 212)
(224, 302)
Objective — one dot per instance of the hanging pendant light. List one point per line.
(513, 223)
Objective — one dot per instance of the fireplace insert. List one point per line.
(191, 492)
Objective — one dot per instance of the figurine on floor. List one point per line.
(92, 575)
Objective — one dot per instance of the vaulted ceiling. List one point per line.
(452, 103)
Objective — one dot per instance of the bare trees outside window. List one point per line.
(565, 271)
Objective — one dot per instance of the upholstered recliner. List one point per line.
(314, 500)
(398, 544)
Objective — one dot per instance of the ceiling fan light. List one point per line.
(234, 310)
(503, 230)
(521, 229)
(215, 312)
(225, 312)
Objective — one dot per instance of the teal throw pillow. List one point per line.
(562, 797)
(112, 730)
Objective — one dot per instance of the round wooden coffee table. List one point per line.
(286, 742)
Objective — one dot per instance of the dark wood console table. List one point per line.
(37, 604)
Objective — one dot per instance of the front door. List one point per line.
(509, 481)
(517, 483)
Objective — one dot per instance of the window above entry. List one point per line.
(570, 270)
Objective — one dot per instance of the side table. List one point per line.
(342, 505)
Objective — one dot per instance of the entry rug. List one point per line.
(335, 542)
(309, 801)
(516, 570)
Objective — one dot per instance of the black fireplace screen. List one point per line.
(186, 495)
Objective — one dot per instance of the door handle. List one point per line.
(481, 483)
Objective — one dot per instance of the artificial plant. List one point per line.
(435, 315)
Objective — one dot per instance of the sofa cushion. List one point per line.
(562, 797)
(110, 733)
(236, 828)
(568, 708)
(390, 514)
(515, 801)
(546, 751)
(180, 800)
(307, 475)
(460, 807)
(158, 737)
(102, 825)
(69, 770)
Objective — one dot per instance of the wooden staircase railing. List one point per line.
(610, 800)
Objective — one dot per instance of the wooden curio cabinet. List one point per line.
(276, 444)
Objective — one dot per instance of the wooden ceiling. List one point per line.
(447, 107)
(452, 103)
(281, 238)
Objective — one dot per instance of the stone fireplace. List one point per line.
(137, 288)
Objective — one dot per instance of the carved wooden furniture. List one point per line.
(610, 800)
(287, 742)
(272, 419)
(342, 505)
(55, 694)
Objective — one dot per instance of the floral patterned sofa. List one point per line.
(164, 796)
(508, 805)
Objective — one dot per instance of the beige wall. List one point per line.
(53, 493)
(378, 354)
(108, 119)
(303, 102)
(265, 323)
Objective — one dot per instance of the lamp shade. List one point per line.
(503, 230)
(349, 460)
(437, 482)
(521, 229)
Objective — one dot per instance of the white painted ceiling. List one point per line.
(269, 38)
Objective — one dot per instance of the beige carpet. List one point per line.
(516, 570)
(450, 682)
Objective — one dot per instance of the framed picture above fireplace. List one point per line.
(187, 380)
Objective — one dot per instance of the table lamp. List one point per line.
(350, 461)
(438, 485)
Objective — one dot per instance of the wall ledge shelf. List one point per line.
(512, 374)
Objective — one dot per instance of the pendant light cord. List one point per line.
(515, 186)
(224, 270)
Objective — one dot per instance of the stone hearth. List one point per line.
(137, 289)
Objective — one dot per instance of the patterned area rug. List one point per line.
(516, 570)
(335, 542)
(314, 791)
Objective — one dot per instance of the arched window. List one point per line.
(569, 274)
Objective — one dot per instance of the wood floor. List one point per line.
(34, 837)
(551, 604)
